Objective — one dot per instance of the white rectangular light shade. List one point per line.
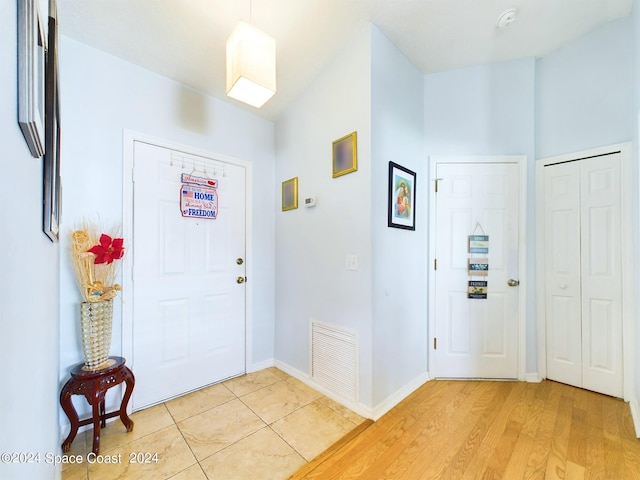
(251, 65)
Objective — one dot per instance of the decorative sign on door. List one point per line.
(201, 181)
(478, 267)
(477, 289)
(198, 197)
(479, 244)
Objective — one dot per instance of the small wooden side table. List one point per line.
(94, 385)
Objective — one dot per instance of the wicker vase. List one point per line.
(96, 319)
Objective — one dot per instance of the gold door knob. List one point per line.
(240, 279)
(239, 261)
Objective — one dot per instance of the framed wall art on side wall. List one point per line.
(402, 197)
(52, 188)
(345, 155)
(290, 194)
(31, 72)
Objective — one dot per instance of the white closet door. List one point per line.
(601, 275)
(563, 285)
(583, 274)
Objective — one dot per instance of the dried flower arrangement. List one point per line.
(92, 256)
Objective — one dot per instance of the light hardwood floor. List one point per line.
(489, 430)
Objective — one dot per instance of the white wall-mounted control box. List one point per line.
(351, 262)
(310, 202)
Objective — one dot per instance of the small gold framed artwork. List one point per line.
(290, 194)
(345, 155)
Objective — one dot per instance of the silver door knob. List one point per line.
(513, 283)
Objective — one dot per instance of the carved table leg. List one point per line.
(97, 399)
(130, 380)
(102, 412)
(70, 411)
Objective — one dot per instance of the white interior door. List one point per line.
(476, 338)
(188, 307)
(584, 273)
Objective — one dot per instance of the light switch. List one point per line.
(351, 262)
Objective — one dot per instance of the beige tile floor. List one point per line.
(264, 425)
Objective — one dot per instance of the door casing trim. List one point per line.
(521, 161)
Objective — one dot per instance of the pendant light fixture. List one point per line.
(251, 65)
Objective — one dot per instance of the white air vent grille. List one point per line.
(334, 359)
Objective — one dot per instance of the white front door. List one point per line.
(188, 299)
(583, 284)
(476, 337)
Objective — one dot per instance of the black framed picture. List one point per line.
(402, 197)
(51, 211)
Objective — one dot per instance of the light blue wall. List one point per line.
(399, 256)
(489, 110)
(103, 95)
(584, 92)
(312, 282)
(29, 313)
(483, 110)
(384, 301)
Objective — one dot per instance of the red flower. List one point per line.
(110, 249)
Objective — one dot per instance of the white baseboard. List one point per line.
(294, 372)
(362, 410)
(358, 408)
(394, 399)
(254, 367)
(532, 377)
(635, 414)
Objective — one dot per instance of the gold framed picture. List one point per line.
(345, 155)
(290, 194)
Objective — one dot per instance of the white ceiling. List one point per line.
(185, 39)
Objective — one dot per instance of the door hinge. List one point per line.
(435, 264)
(436, 183)
(435, 343)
